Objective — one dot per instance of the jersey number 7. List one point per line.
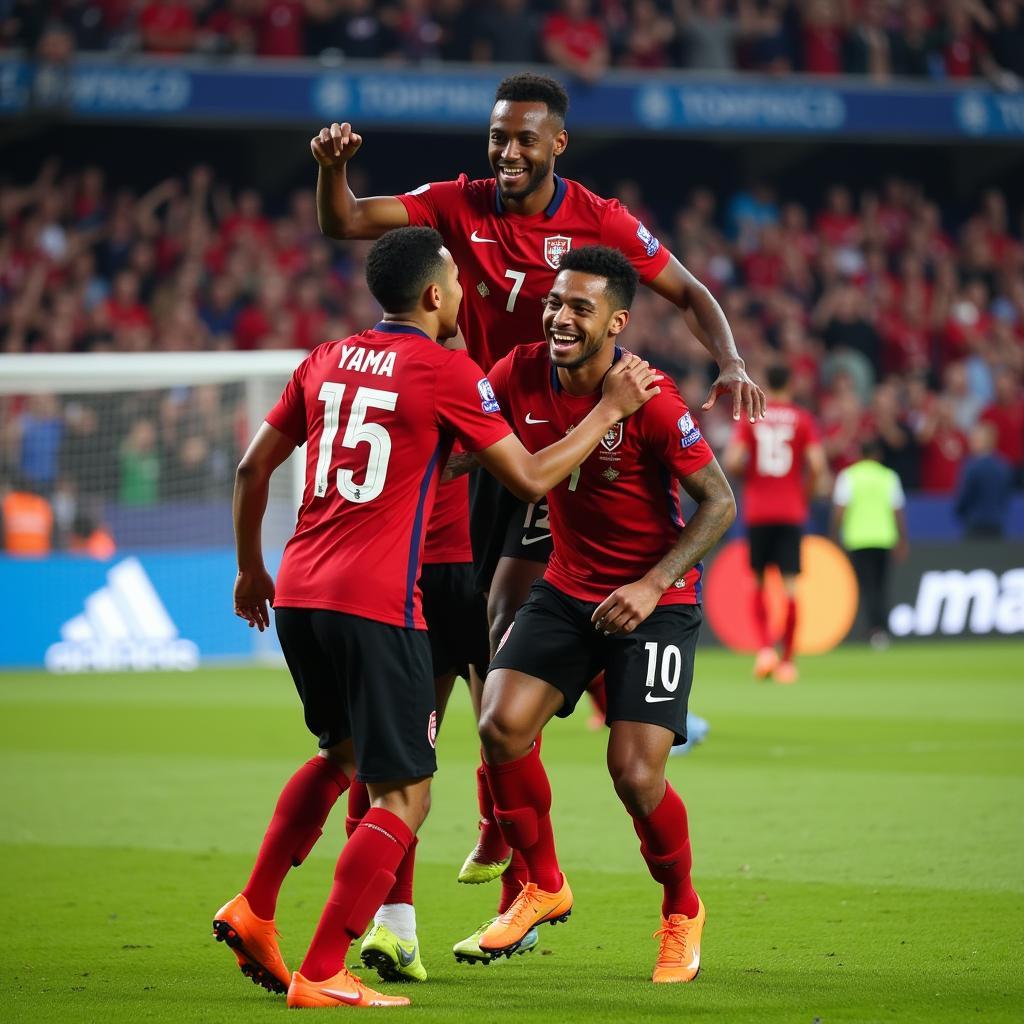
(357, 431)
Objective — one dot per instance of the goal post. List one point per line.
(116, 472)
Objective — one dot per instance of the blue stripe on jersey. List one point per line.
(387, 327)
(414, 544)
(698, 586)
(549, 211)
(671, 496)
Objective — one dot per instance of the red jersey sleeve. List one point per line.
(673, 434)
(499, 376)
(621, 230)
(289, 414)
(811, 434)
(430, 205)
(467, 407)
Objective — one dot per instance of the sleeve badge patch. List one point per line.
(649, 242)
(689, 430)
(488, 400)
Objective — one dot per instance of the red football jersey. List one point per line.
(448, 528)
(378, 412)
(775, 481)
(618, 513)
(507, 262)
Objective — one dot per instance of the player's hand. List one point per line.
(335, 146)
(747, 398)
(253, 591)
(624, 609)
(629, 384)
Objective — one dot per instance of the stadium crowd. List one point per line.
(953, 39)
(896, 324)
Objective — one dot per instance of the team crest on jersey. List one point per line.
(488, 400)
(432, 729)
(650, 243)
(689, 430)
(555, 248)
(613, 438)
(483, 290)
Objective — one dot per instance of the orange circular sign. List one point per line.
(826, 597)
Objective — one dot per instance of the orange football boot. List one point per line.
(254, 943)
(344, 989)
(786, 673)
(530, 908)
(679, 955)
(766, 662)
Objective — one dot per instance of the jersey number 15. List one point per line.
(357, 431)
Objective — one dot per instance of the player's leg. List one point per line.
(787, 558)
(390, 696)
(645, 722)
(759, 542)
(246, 923)
(879, 599)
(541, 669)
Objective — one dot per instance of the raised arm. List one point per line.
(340, 212)
(254, 586)
(624, 609)
(628, 384)
(705, 318)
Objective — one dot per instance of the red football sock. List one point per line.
(358, 805)
(299, 816)
(512, 881)
(491, 844)
(597, 693)
(522, 802)
(364, 874)
(401, 891)
(665, 845)
(761, 618)
(789, 633)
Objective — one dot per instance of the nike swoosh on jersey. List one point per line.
(476, 238)
(406, 958)
(657, 700)
(536, 540)
(346, 997)
(531, 420)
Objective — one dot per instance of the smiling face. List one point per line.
(579, 320)
(523, 141)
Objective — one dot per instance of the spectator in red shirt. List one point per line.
(575, 41)
(281, 27)
(124, 308)
(648, 38)
(167, 26)
(943, 449)
(823, 33)
(1006, 414)
(260, 318)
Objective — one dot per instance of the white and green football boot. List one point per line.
(475, 872)
(468, 951)
(391, 957)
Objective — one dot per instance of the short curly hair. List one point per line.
(400, 265)
(527, 87)
(602, 261)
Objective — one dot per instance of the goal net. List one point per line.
(116, 473)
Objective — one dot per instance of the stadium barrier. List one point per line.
(459, 98)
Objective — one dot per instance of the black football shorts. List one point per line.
(502, 526)
(366, 680)
(648, 673)
(775, 544)
(456, 615)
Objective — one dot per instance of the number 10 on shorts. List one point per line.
(671, 662)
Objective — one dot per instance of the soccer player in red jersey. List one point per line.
(507, 235)
(378, 413)
(781, 461)
(621, 594)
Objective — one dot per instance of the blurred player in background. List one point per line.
(377, 412)
(507, 234)
(781, 462)
(621, 594)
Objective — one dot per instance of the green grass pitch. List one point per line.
(858, 843)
